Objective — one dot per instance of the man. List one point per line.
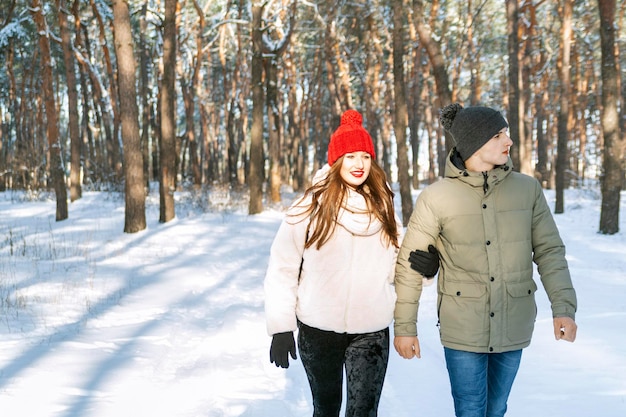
(488, 224)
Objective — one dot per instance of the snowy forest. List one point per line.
(242, 96)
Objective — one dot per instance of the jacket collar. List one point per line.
(455, 168)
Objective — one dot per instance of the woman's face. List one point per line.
(355, 168)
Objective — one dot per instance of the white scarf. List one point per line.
(355, 217)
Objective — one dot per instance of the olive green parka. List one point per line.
(489, 228)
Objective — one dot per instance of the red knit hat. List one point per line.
(350, 136)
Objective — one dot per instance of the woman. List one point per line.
(330, 275)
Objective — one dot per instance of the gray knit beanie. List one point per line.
(471, 127)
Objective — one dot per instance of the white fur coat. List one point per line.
(346, 286)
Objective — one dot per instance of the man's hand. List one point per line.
(407, 346)
(565, 329)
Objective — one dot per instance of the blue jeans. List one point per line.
(481, 382)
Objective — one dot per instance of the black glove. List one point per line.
(426, 263)
(282, 345)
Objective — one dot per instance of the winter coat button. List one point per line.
(488, 242)
(492, 279)
(458, 293)
(484, 206)
(492, 314)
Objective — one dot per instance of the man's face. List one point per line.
(496, 150)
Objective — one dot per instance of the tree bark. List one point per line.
(564, 110)
(414, 101)
(102, 115)
(145, 95)
(516, 104)
(401, 113)
(113, 153)
(614, 144)
(135, 198)
(373, 71)
(297, 145)
(167, 146)
(274, 129)
(526, 36)
(440, 72)
(256, 173)
(541, 168)
(52, 131)
(11, 87)
(273, 54)
(72, 102)
(85, 136)
(474, 58)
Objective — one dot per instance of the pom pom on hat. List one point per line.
(350, 136)
(471, 127)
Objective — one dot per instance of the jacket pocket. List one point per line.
(521, 311)
(463, 314)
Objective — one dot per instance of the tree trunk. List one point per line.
(414, 102)
(194, 157)
(86, 134)
(3, 164)
(319, 139)
(52, 131)
(563, 121)
(145, 94)
(273, 53)
(241, 102)
(256, 173)
(400, 113)
(102, 151)
(274, 128)
(14, 108)
(297, 143)
(72, 103)
(619, 51)
(516, 106)
(474, 58)
(541, 168)
(614, 143)
(440, 72)
(333, 62)
(167, 148)
(135, 198)
(526, 35)
(372, 90)
(230, 92)
(112, 140)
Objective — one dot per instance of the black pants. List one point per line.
(324, 355)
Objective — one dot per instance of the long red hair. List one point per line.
(329, 195)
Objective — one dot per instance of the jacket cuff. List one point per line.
(408, 329)
(563, 311)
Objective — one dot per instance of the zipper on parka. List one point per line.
(485, 183)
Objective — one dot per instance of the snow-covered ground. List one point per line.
(169, 321)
